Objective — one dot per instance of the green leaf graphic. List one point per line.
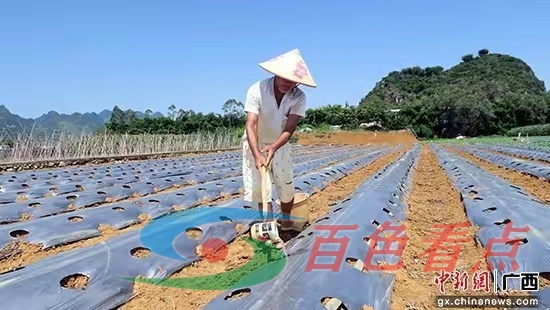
(266, 263)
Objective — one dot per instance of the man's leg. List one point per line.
(253, 182)
(286, 208)
(283, 174)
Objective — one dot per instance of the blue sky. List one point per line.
(80, 56)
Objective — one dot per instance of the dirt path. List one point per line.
(345, 137)
(536, 187)
(240, 252)
(433, 201)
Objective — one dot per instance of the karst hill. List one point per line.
(482, 95)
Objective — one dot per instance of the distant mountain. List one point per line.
(74, 123)
(106, 114)
(12, 122)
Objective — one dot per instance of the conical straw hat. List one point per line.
(290, 66)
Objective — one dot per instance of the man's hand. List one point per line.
(260, 161)
(270, 150)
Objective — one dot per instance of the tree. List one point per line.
(483, 52)
(233, 111)
(468, 57)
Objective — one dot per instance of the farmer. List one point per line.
(274, 106)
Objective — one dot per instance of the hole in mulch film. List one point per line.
(75, 281)
(75, 219)
(140, 252)
(238, 294)
(34, 204)
(506, 221)
(19, 233)
(193, 232)
(225, 219)
(519, 241)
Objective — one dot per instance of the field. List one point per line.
(78, 236)
(31, 151)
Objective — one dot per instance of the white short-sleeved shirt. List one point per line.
(260, 99)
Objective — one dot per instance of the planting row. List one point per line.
(505, 215)
(343, 276)
(118, 170)
(518, 151)
(62, 228)
(81, 172)
(33, 185)
(527, 167)
(13, 212)
(110, 267)
(532, 147)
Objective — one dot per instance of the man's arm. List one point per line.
(296, 113)
(290, 127)
(252, 133)
(252, 109)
